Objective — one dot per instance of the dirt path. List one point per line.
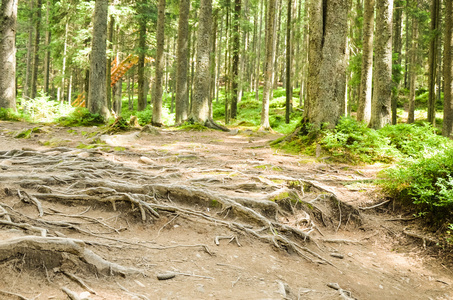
(206, 187)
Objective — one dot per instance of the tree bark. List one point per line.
(432, 61)
(236, 50)
(258, 53)
(200, 99)
(183, 63)
(269, 64)
(397, 47)
(34, 75)
(27, 84)
(8, 18)
(382, 95)
(366, 80)
(447, 128)
(160, 65)
(141, 102)
(108, 77)
(413, 71)
(47, 50)
(97, 90)
(289, 88)
(326, 62)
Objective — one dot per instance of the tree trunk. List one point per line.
(447, 128)
(433, 50)
(269, 64)
(236, 50)
(97, 91)
(47, 50)
(397, 47)
(382, 95)
(160, 65)
(366, 80)
(8, 17)
(183, 63)
(413, 71)
(326, 62)
(141, 102)
(258, 50)
(108, 77)
(289, 88)
(200, 99)
(63, 71)
(34, 75)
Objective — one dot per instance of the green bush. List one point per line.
(414, 141)
(81, 117)
(354, 142)
(7, 114)
(425, 182)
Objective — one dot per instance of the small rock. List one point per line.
(200, 288)
(146, 160)
(234, 132)
(166, 276)
(83, 154)
(337, 255)
(150, 129)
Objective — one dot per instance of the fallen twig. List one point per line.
(374, 206)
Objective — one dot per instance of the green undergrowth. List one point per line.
(7, 114)
(421, 175)
(81, 117)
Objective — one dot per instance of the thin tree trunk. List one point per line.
(27, 87)
(433, 49)
(366, 80)
(236, 50)
(8, 18)
(47, 50)
(397, 47)
(160, 40)
(108, 77)
(219, 62)
(258, 59)
(63, 71)
(97, 91)
(34, 75)
(447, 128)
(412, 71)
(382, 95)
(182, 62)
(289, 88)
(141, 102)
(269, 64)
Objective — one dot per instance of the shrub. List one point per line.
(81, 117)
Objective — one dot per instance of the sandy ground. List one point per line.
(365, 257)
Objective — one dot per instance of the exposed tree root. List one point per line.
(52, 250)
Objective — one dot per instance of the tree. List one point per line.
(200, 112)
(8, 16)
(269, 64)
(236, 49)
(289, 87)
(97, 95)
(34, 74)
(200, 99)
(182, 62)
(412, 71)
(160, 39)
(326, 62)
(447, 128)
(433, 59)
(366, 80)
(382, 93)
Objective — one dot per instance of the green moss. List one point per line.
(90, 146)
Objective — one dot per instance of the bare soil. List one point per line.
(223, 214)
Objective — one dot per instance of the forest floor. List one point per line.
(214, 215)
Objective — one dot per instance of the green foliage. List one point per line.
(414, 141)
(81, 117)
(425, 182)
(9, 115)
(354, 142)
(193, 127)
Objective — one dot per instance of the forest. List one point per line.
(282, 122)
